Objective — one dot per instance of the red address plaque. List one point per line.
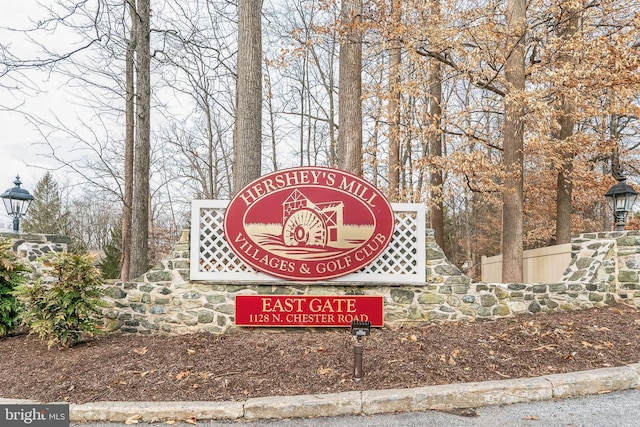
(308, 311)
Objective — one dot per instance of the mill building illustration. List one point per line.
(306, 223)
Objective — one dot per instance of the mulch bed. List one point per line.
(258, 362)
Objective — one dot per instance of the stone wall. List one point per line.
(603, 270)
(33, 248)
(608, 262)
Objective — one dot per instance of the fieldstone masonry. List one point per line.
(34, 248)
(604, 270)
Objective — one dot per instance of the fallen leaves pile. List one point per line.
(259, 362)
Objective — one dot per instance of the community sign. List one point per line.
(308, 223)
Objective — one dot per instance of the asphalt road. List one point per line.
(620, 409)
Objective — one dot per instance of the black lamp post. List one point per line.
(621, 198)
(16, 201)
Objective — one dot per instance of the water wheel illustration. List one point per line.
(304, 227)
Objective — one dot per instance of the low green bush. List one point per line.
(65, 306)
(12, 275)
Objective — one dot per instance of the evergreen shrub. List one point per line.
(12, 275)
(65, 308)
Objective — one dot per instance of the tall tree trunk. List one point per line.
(393, 107)
(332, 125)
(436, 208)
(247, 164)
(333, 161)
(350, 89)
(435, 150)
(140, 219)
(303, 94)
(567, 28)
(512, 199)
(129, 142)
(209, 186)
(272, 120)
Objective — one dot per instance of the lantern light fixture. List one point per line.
(16, 201)
(621, 197)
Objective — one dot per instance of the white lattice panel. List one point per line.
(212, 259)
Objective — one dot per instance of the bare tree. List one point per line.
(304, 101)
(197, 57)
(513, 154)
(142, 150)
(247, 164)
(129, 143)
(567, 28)
(436, 181)
(350, 88)
(393, 108)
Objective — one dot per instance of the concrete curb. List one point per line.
(443, 397)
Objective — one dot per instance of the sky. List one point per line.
(15, 151)
(21, 149)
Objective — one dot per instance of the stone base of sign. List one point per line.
(604, 270)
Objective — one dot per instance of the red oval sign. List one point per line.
(308, 223)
